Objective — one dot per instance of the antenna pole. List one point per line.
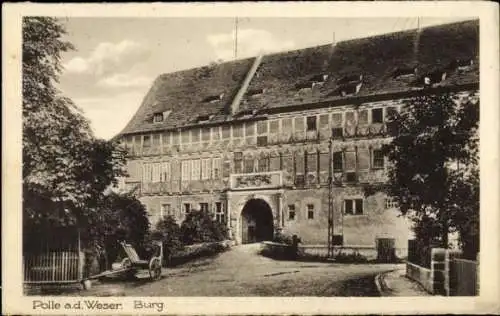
(236, 38)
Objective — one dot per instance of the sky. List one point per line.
(117, 59)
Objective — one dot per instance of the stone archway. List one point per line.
(256, 221)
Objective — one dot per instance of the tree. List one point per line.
(200, 227)
(65, 168)
(118, 217)
(433, 170)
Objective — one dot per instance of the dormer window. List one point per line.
(436, 76)
(160, 116)
(203, 118)
(246, 112)
(213, 98)
(319, 78)
(303, 85)
(255, 92)
(350, 79)
(404, 72)
(349, 89)
(465, 64)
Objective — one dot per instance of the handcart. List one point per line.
(132, 264)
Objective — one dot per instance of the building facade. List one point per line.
(255, 142)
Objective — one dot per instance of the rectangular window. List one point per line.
(248, 165)
(205, 134)
(286, 125)
(195, 169)
(350, 161)
(337, 132)
(312, 163)
(146, 142)
(363, 158)
(237, 131)
(299, 163)
(249, 129)
(274, 163)
(175, 138)
(166, 139)
(390, 202)
(310, 211)
(216, 168)
(165, 210)
(187, 208)
(291, 212)
(165, 172)
(337, 125)
(219, 213)
(274, 126)
(263, 164)
(261, 140)
(156, 141)
(353, 207)
(338, 161)
(378, 159)
(261, 127)
(238, 162)
(377, 116)
(311, 124)
(204, 207)
(363, 117)
(215, 133)
(299, 124)
(206, 169)
(323, 121)
(147, 174)
(195, 135)
(185, 137)
(226, 132)
(156, 172)
(185, 172)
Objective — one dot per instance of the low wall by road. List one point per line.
(421, 275)
(273, 249)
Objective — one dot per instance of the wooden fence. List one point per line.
(53, 267)
(463, 277)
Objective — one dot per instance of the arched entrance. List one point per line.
(256, 221)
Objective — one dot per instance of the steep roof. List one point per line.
(189, 94)
(368, 66)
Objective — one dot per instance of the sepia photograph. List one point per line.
(248, 156)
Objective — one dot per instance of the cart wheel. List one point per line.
(155, 269)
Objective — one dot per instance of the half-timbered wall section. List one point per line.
(211, 138)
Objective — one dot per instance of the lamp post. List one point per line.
(330, 200)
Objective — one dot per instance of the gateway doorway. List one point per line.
(256, 222)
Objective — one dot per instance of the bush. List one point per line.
(282, 238)
(199, 227)
(199, 251)
(168, 231)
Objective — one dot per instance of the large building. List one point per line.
(254, 141)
